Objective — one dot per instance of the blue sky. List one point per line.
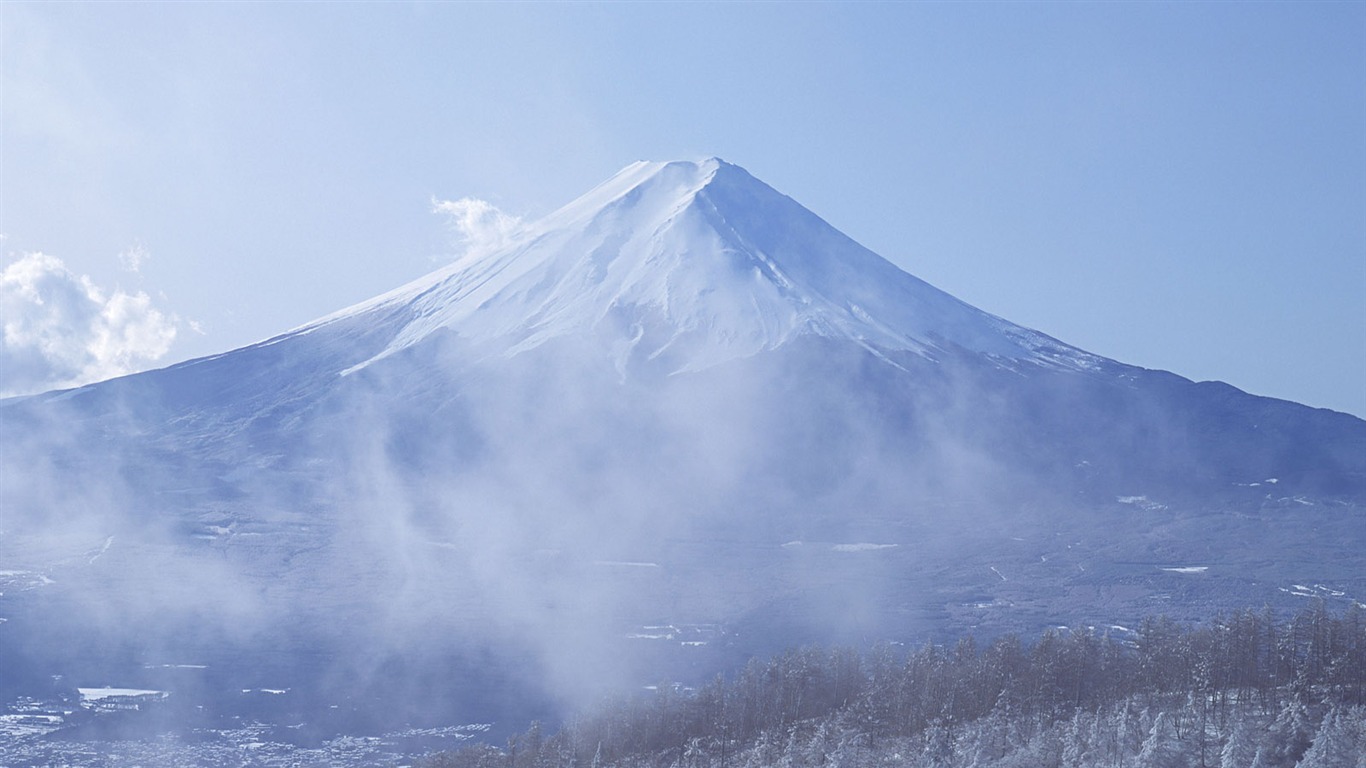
(1177, 186)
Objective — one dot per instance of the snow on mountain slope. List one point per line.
(491, 490)
(688, 265)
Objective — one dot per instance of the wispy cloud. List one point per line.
(62, 330)
(478, 223)
(133, 257)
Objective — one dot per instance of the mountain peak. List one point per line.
(669, 183)
(685, 265)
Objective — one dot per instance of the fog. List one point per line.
(553, 506)
(450, 534)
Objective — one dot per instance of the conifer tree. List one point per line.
(1240, 749)
(1332, 747)
(1161, 749)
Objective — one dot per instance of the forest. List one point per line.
(1249, 689)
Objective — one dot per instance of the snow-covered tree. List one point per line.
(1332, 747)
(1241, 747)
(1291, 733)
(1161, 749)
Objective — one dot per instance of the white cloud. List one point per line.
(133, 257)
(480, 225)
(62, 330)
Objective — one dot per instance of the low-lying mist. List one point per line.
(445, 533)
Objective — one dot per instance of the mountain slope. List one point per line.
(680, 420)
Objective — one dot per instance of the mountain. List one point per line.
(679, 421)
(686, 266)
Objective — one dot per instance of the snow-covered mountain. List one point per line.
(693, 263)
(680, 420)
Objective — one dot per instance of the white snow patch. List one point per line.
(1318, 590)
(24, 580)
(1188, 569)
(998, 573)
(107, 543)
(1142, 502)
(96, 694)
(862, 547)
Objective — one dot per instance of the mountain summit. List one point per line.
(691, 264)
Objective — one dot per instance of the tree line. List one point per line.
(1190, 688)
